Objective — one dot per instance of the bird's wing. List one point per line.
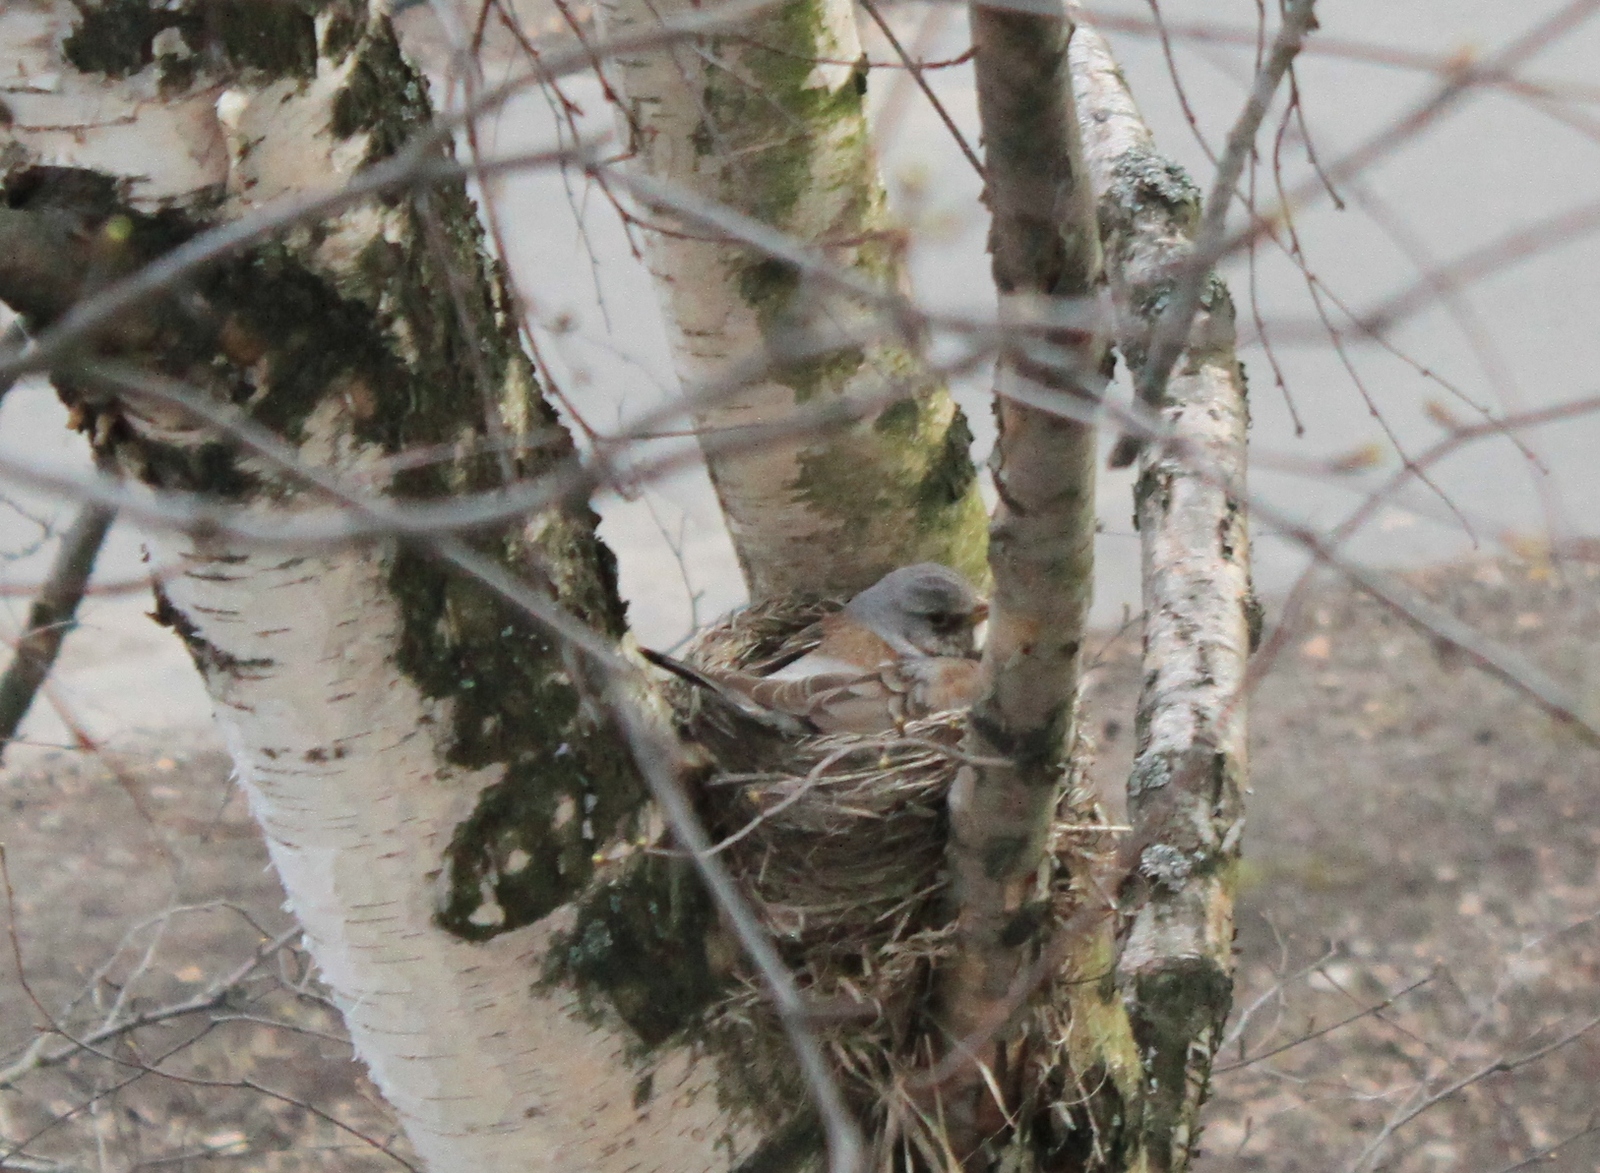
(877, 701)
(727, 687)
(851, 701)
(740, 735)
(936, 684)
(830, 702)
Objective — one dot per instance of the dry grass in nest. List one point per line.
(839, 842)
(839, 839)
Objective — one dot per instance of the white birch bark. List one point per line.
(769, 121)
(1185, 794)
(347, 773)
(376, 709)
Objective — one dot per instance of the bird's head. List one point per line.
(922, 610)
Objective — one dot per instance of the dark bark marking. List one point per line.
(208, 657)
(638, 949)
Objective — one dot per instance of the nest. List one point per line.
(839, 843)
(839, 840)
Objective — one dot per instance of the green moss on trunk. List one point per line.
(784, 139)
(1176, 1007)
(639, 949)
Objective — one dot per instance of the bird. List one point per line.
(902, 649)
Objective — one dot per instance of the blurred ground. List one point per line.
(139, 881)
(1412, 821)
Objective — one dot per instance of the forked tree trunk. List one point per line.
(1137, 1051)
(457, 829)
(769, 121)
(452, 816)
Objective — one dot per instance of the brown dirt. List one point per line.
(140, 875)
(1412, 821)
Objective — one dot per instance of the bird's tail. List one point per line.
(679, 669)
(784, 724)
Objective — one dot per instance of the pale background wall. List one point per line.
(1494, 165)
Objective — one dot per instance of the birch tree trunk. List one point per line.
(453, 816)
(1185, 794)
(769, 121)
(1045, 252)
(455, 824)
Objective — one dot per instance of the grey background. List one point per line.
(1496, 164)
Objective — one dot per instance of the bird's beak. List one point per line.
(980, 612)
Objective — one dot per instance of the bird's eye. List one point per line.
(947, 622)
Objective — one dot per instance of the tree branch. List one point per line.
(1185, 792)
(51, 617)
(1169, 331)
(417, 163)
(1044, 246)
(217, 995)
(772, 125)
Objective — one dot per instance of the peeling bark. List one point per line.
(755, 122)
(1046, 253)
(1185, 795)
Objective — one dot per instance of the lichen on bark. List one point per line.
(1185, 792)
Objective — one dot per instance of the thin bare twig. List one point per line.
(1329, 1029)
(1558, 230)
(915, 68)
(1495, 1067)
(1171, 332)
(216, 995)
(51, 617)
(418, 162)
(1242, 1019)
(1456, 86)
(381, 517)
